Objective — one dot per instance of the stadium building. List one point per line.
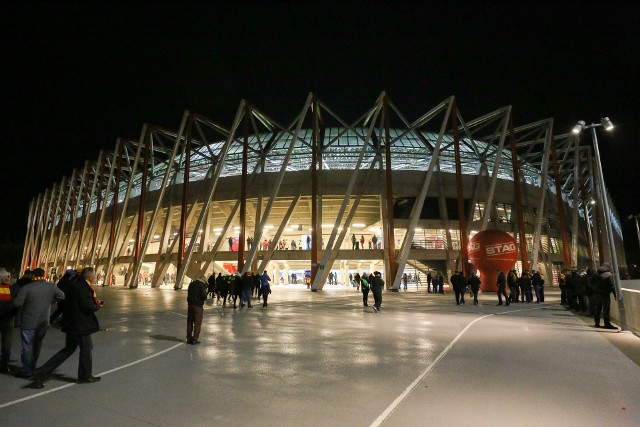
(321, 198)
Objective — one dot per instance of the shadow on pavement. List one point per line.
(166, 338)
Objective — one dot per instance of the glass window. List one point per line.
(478, 211)
(504, 212)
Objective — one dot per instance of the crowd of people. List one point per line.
(237, 288)
(588, 293)
(26, 304)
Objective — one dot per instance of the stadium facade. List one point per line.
(323, 198)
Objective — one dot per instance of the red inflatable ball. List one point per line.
(490, 250)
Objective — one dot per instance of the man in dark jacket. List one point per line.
(211, 285)
(474, 283)
(576, 291)
(538, 285)
(35, 300)
(219, 285)
(588, 285)
(502, 288)
(196, 297)
(454, 284)
(460, 287)
(512, 283)
(247, 284)
(603, 287)
(377, 285)
(8, 293)
(525, 283)
(79, 321)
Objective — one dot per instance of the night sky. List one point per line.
(76, 76)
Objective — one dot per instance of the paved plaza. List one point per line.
(321, 359)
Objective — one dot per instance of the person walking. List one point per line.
(429, 279)
(365, 290)
(502, 288)
(454, 280)
(377, 285)
(8, 293)
(35, 300)
(512, 283)
(474, 284)
(460, 287)
(219, 286)
(358, 281)
(247, 282)
(196, 297)
(265, 288)
(211, 286)
(257, 283)
(230, 240)
(79, 321)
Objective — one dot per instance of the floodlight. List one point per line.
(578, 127)
(606, 123)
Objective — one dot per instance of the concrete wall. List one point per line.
(631, 297)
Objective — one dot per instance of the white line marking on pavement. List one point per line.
(378, 421)
(179, 314)
(415, 382)
(522, 309)
(43, 393)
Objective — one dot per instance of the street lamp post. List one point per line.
(607, 125)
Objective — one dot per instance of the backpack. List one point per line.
(365, 283)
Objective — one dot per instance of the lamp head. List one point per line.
(606, 123)
(578, 127)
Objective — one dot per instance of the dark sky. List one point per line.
(78, 75)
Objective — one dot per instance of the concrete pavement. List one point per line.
(321, 359)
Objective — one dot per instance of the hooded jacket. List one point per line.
(603, 283)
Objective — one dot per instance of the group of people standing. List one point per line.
(460, 284)
(520, 288)
(228, 288)
(356, 244)
(27, 305)
(437, 280)
(589, 293)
